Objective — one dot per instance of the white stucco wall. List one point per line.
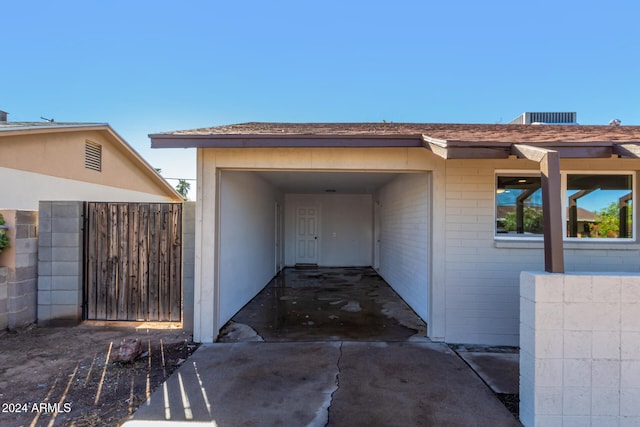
(403, 206)
(24, 190)
(345, 232)
(247, 234)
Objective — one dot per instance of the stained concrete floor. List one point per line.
(328, 304)
(339, 348)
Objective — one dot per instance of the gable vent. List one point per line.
(93, 156)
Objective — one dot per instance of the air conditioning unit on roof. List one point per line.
(545, 118)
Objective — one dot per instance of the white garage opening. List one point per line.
(269, 220)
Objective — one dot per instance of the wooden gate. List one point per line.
(133, 261)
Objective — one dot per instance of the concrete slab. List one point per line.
(501, 371)
(324, 383)
(330, 304)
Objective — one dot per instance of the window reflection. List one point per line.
(599, 206)
(519, 205)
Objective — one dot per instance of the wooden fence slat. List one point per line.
(132, 289)
(112, 274)
(175, 234)
(164, 267)
(154, 261)
(143, 264)
(102, 249)
(91, 259)
(123, 261)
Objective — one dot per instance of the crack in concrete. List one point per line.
(337, 383)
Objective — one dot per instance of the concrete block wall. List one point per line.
(18, 292)
(4, 296)
(60, 259)
(580, 349)
(188, 262)
(481, 279)
(483, 271)
(403, 207)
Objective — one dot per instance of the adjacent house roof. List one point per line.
(446, 140)
(30, 128)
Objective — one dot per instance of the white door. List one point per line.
(306, 235)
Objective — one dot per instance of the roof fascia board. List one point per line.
(262, 141)
(22, 130)
(567, 151)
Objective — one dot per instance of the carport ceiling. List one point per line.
(327, 182)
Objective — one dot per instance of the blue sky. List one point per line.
(153, 66)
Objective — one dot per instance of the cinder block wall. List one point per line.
(188, 262)
(4, 296)
(60, 263)
(403, 207)
(579, 349)
(19, 281)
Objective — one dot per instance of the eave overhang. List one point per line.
(446, 149)
(276, 141)
(452, 149)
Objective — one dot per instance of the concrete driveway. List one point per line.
(324, 384)
(333, 347)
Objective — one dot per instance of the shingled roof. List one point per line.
(621, 140)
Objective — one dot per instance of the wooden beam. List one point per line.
(529, 152)
(551, 202)
(627, 150)
(436, 149)
(552, 212)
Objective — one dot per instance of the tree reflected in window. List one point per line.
(599, 206)
(519, 205)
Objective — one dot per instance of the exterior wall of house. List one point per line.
(482, 272)
(481, 280)
(345, 229)
(247, 234)
(62, 154)
(403, 209)
(28, 188)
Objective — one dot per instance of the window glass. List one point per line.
(599, 206)
(519, 206)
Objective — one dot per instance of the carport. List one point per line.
(269, 201)
(271, 219)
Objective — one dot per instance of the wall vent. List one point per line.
(93, 156)
(545, 118)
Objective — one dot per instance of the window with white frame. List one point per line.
(595, 205)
